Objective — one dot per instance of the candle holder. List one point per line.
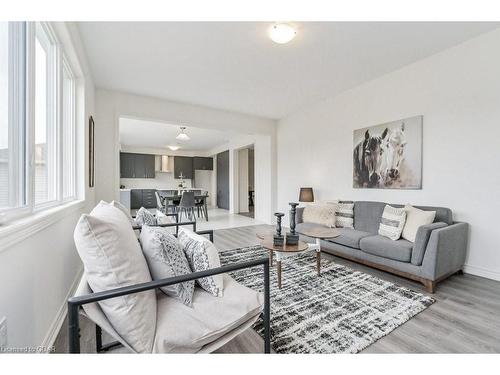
(278, 238)
(292, 238)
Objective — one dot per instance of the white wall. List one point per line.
(110, 106)
(38, 272)
(458, 93)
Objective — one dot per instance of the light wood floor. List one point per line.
(465, 318)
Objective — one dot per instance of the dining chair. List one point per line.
(187, 205)
(159, 203)
(200, 203)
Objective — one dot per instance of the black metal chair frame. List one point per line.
(74, 303)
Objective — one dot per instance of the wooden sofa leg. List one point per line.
(429, 285)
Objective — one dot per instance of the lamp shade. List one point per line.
(306, 195)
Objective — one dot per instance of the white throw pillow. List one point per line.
(415, 218)
(166, 258)
(125, 210)
(202, 255)
(323, 214)
(392, 222)
(344, 215)
(112, 258)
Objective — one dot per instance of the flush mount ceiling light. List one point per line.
(174, 147)
(282, 33)
(182, 136)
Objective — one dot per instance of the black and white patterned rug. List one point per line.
(342, 311)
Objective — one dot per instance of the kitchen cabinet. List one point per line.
(142, 198)
(184, 165)
(201, 163)
(137, 165)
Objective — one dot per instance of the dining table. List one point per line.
(169, 195)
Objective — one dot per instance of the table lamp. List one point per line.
(306, 194)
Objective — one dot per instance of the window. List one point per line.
(12, 115)
(37, 120)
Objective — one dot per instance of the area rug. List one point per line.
(342, 311)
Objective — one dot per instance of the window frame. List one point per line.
(22, 157)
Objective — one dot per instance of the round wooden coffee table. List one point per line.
(318, 233)
(281, 251)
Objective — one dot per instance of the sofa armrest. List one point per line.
(446, 251)
(421, 241)
(300, 212)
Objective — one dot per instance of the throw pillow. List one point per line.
(125, 210)
(323, 214)
(112, 258)
(345, 215)
(392, 222)
(202, 255)
(145, 217)
(165, 258)
(415, 218)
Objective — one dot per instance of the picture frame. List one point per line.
(91, 152)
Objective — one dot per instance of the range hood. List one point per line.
(162, 163)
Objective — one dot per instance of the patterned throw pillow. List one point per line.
(202, 255)
(323, 214)
(345, 215)
(165, 258)
(392, 222)
(145, 217)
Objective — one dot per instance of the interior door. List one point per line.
(223, 180)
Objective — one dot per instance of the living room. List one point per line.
(339, 195)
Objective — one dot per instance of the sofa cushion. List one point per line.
(207, 320)
(349, 237)
(166, 258)
(399, 250)
(112, 258)
(367, 216)
(323, 214)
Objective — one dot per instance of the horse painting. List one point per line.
(388, 156)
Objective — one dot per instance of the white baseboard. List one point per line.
(481, 271)
(56, 325)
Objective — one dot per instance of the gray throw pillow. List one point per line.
(166, 258)
(145, 217)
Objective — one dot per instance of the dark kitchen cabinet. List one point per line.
(184, 165)
(126, 165)
(142, 198)
(137, 165)
(135, 198)
(200, 163)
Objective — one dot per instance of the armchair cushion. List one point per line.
(202, 255)
(125, 211)
(181, 329)
(112, 258)
(166, 258)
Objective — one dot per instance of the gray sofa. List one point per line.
(438, 252)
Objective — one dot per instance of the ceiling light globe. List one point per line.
(182, 137)
(282, 33)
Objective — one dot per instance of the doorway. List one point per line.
(246, 180)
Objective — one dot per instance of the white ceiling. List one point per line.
(235, 66)
(149, 134)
